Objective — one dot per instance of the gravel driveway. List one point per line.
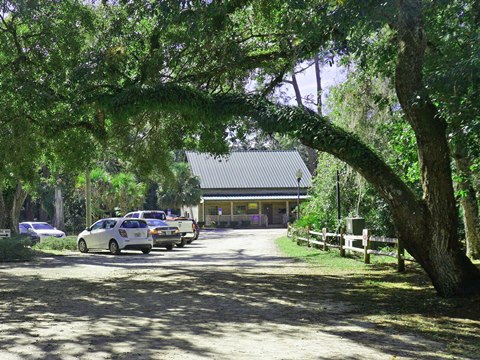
(229, 295)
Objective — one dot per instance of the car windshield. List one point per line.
(154, 215)
(43, 226)
(134, 224)
(155, 222)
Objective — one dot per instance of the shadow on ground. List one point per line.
(161, 304)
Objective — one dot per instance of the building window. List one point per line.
(252, 208)
(212, 210)
(240, 210)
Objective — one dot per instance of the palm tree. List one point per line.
(181, 189)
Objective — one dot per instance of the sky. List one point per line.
(331, 76)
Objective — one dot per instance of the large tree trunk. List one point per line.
(439, 253)
(18, 199)
(58, 219)
(3, 213)
(88, 198)
(468, 200)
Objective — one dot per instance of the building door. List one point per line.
(268, 211)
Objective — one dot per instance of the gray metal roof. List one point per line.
(249, 170)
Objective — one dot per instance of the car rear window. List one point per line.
(134, 224)
(154, 215)
(155, 222)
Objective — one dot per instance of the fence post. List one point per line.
(308, 235)
(400, 256)
(341, 240)
(324, 237)
(366, 246)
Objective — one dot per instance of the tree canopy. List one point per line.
(143, 78)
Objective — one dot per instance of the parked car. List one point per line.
(186, 226)
(39, 230)
(196, 228)
(116, 234)
(163, 234)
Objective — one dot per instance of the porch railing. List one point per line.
(237, 220)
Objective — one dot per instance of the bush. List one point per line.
(53, 243)
(16, 248)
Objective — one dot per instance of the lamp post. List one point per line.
(299, 175)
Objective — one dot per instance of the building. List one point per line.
(249, 188)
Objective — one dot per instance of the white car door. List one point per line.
(93, 238)
(107, 234)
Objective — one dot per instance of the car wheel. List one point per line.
(82, 246)
(182, 244)
(147, 251)
(113, 247)
(169, 247)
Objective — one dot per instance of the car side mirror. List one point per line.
(88, 228)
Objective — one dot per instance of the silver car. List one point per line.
(39, 230)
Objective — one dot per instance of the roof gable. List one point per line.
(249, 170)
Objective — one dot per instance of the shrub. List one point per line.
(234, 224)
(53, 243)
(16, 248)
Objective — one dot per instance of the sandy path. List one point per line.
(229, 295)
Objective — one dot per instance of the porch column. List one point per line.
(260, 212)
(288, 210)
(231, 210)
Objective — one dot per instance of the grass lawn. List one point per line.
(57, 246)
(405, 301)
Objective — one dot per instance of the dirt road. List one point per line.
(230, 295)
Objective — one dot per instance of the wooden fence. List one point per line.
(325, 240)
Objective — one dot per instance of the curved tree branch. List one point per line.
(312, 130)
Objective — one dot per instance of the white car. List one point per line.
(116, 234)
(39, 230)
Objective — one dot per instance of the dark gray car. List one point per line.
(164, 235)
